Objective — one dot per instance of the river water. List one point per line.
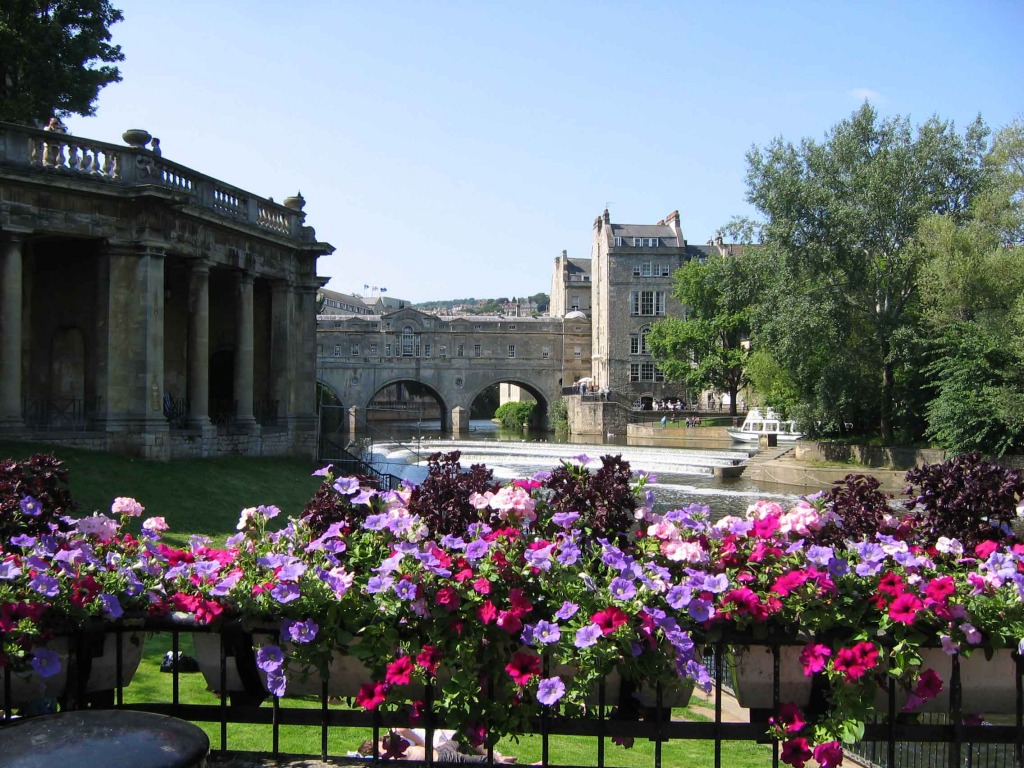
(684, 475)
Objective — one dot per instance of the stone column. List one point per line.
(244, 328)
(130, 349)
(460, 420)
(281, 349)
(199, 344)
(10, 332)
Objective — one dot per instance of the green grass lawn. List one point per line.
(205, 496)
(194, 495)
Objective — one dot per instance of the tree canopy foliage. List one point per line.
(55, 56)
(842, 216)
(972, 311)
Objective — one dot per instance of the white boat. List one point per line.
(757, 424)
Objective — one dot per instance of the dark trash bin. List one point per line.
(96, 738)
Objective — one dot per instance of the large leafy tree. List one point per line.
(55, 56)
(842, 213)
(972, 308)
(707, 347)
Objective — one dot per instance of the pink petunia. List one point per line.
(829, 754)
(904, 608)
(796, 752)
(814, 657)
(523, 667)
(399, 672)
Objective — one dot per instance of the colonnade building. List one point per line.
(148, 308)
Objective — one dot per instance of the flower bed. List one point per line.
(493, 605)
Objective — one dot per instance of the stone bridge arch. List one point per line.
(456, 358)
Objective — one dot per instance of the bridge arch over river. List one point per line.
(454, 360)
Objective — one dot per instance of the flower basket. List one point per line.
(93, 672)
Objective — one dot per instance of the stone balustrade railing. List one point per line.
(131, 166)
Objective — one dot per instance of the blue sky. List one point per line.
(454, 149)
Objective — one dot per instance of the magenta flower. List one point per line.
(523, 667)
(904, 608)
(829, 754)
(814, 657)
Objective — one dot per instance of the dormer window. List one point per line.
(618, 241)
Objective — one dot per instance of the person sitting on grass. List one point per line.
(401, 744)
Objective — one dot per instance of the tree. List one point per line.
(49, 50)
(707, 347)
(844, 211)
(972, 306)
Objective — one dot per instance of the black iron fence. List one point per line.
(893, 741)
(75, 414)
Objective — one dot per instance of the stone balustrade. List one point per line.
(132, 166)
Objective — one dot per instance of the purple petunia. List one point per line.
(269, 658)
(301, 631)
(679, 597)
(111, 606)
(46, 662)
(476, 549)
(346, 486)
(377, 584)
(567, 611)
(565, 519)
(30, 507)
(23, 540)
(550, 690)
(587, 636)
(323, 471)
(277, 684)
(285, 593)
(545, 633)
(8, 570)
(701, 610)
(45, 584)
(622, 589)
(405, 590)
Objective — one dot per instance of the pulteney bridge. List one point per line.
(453, 359)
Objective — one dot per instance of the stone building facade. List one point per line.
(148, 308)
(632, 267)
(570, 286)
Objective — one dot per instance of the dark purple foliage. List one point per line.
(442, 499)
(604, 498)
(862, 511)
(328, 507)
(42, 477)
(965, 498)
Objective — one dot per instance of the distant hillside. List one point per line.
(537, 303)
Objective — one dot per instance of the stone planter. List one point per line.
(246, 683)
(988, 686)
(676, 695)
(753, 676)
(92, 673)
